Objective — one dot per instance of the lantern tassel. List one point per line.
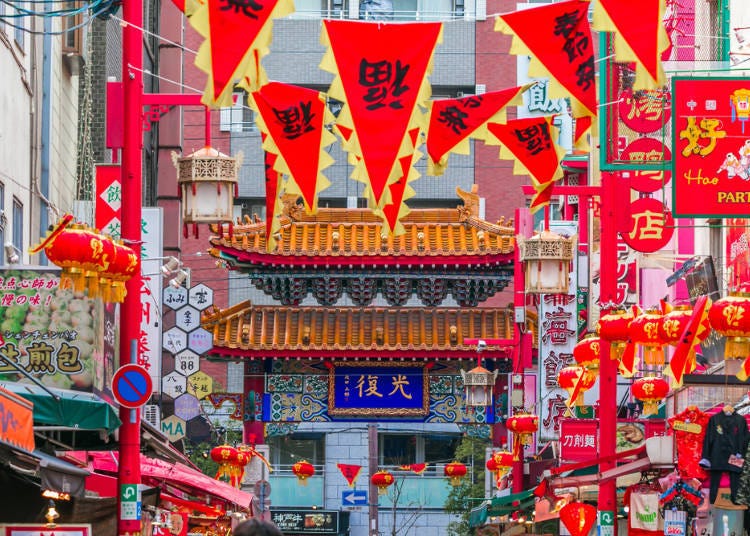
(737, 348)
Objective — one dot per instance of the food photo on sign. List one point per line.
(51, 334)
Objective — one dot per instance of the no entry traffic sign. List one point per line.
(131, 386)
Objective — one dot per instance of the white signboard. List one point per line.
(151, 284)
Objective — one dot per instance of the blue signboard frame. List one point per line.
(384, 389)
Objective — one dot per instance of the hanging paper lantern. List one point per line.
(500, 463)
(124, 266)
(672, 329)
(238, 469)
(226, 457)
(455, 471)
(644, 331)
(730, 316)
(303, 470)
(382, 479)
(614, 327)
(575, 380)
(588, 352)
(523, 426)
(650, 390)
(578, 518)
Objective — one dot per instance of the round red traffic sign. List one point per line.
(132, 386)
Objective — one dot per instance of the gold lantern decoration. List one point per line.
(455, 471)
(207, 180)
(546, 257)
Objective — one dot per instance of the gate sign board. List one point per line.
(711, 137)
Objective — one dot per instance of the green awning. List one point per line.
(73, 409)
(501, 506)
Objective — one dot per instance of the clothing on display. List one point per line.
(689, 428)
(726, 436)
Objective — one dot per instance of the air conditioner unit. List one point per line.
(152, 415)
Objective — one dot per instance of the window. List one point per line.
(327, 9)
(17, 224)
(410, 9)
(397, 449)
(238, 117)
(287, 450)
(73, 31)
(20, 25)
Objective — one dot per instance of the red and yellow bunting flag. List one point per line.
(558, 39)
(188, 7)
(683, 358)
(640, 37)
(350, 472)
(237, 37)
(454, 121)
(293, 119)
(530, 143)
(381, 74)
(542, 197)
(274, 189)
(400, 190)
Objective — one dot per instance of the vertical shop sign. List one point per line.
(558, 334)
(150, 335)
(711, 147)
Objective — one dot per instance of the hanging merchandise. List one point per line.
(723, 449)
(689, 428)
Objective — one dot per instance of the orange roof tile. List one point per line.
(456, 236)
(247, 330)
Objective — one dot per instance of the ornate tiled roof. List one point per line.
(455, 237)
(247, 330)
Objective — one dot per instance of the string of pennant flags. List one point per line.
(381, 72)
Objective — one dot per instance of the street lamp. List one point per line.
(478, 382)
(546, 257)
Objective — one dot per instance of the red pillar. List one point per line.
(129, 471)
(607, 367)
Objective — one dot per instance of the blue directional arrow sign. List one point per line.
(354, 497)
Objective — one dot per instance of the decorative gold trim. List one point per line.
(385, 412)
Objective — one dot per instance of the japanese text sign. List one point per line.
(711, 147)
(387, 389)
(579, 439)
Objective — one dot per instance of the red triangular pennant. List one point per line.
(541, 197)
(558, 37)
(294, 118)
(640, 36)
(232, 32)
(273, 178)
(350, 472)
(382, 82)
(454, 120)
(531, 144)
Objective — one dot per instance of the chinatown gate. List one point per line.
(384, 339)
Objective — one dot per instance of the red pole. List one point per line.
(208, 127)
(129, 471)
(607, 367)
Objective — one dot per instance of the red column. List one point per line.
(129, 471)
(607, 367)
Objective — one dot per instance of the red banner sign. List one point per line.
(579, 439)
(651, 225)
(711, 147)
(17, 427)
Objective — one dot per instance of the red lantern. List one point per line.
(730, 316)
(238, 470)
(226, 457)
(588, 352)
(650, 390)
(614, 327)
(644, 330)
(523, 425)
(578, 518)
(382, 479)
(575, 380)
(455, 471)
(125, 265)
(303, 470)
(79, 251)
(500, 463)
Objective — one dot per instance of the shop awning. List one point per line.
(160, 473)
(72, 409)
(501, 506)
(51, 473)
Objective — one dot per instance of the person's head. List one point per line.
(256, 527)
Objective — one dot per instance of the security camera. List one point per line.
(481, 345)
